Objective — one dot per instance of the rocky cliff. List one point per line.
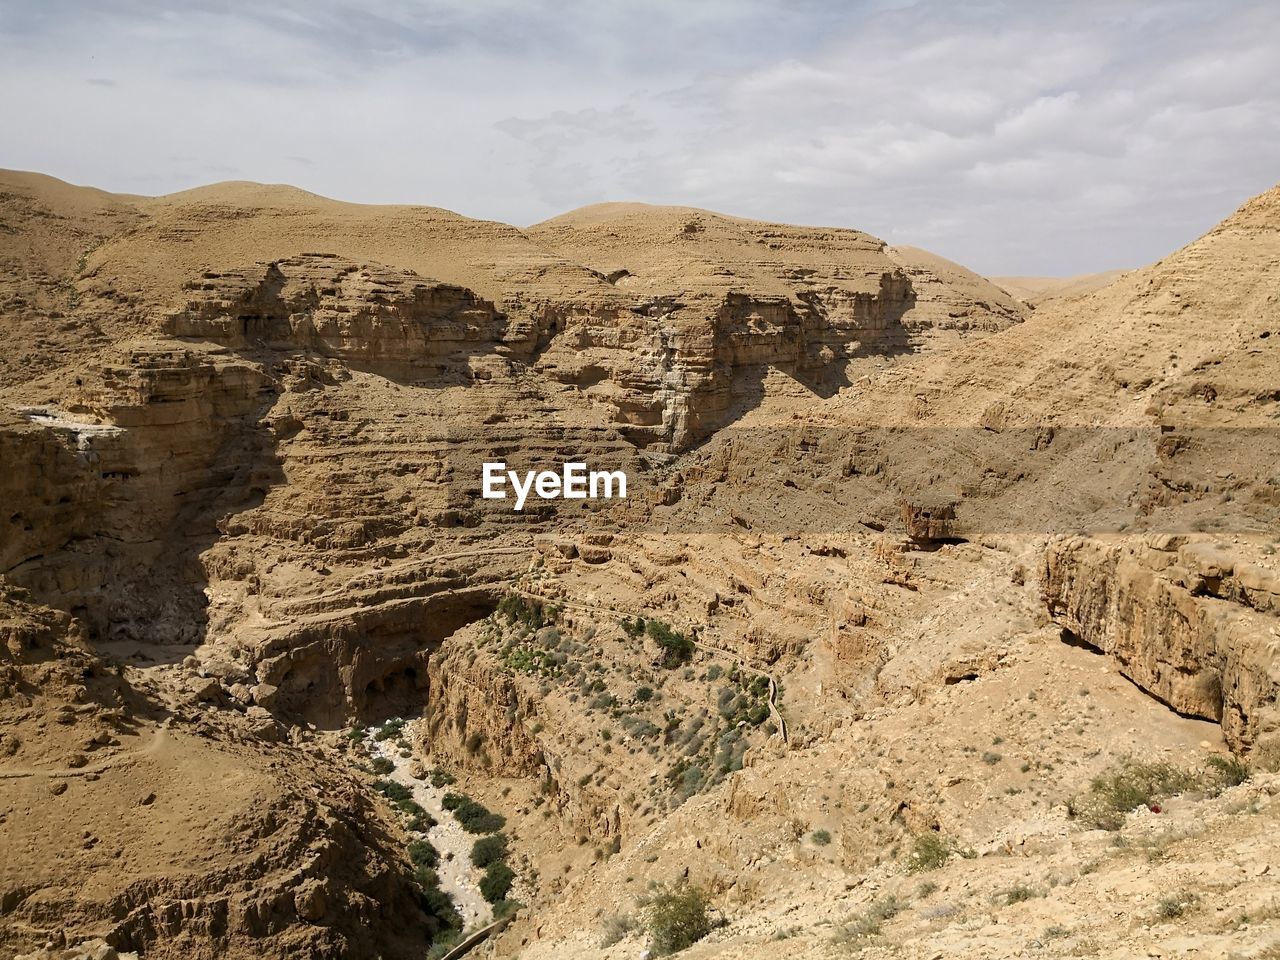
(1189, 620)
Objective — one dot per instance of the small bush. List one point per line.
(864, 926)
(395, 792)
(505, 908)
(420, 822)
(1128, 784)
(452, 801)
(929, 851)
(424, 854)
(530, 613)
(677, 649)
(1228, 771)
(616, 927)
(496, 882)
(644, 694)
(381, 765)
(490, 849)
(1018, 893)
(441, 778)
(1170, 908)
(443, 920)
(676, 917)
(475, 817)
(632, 628)
(821, 837)
(441, 946)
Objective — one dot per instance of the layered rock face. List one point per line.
(371, 318)
(736, 298)
(149, 449)
(313, 418)
(1190, 620)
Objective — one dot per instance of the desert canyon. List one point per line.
(941, 617)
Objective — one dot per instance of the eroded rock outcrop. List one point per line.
(137, 465)
(1191, 621)
(371, 317)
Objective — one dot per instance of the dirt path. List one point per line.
(158, 739)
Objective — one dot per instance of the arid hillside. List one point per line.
(931, 625)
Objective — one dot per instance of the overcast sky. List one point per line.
(1017, 137)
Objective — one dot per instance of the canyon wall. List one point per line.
(1191, 621)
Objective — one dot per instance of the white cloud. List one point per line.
(1018, 137)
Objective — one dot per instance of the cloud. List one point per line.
(1017, 137)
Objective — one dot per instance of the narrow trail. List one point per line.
(158, 739)
(370, 579)
(774, 712)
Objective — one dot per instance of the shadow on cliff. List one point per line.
(820, 370)
(160, 611)
(412, 331)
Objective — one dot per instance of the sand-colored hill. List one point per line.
(1035, 290)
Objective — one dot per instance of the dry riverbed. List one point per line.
(458, 878)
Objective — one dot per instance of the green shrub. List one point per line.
(496, 882)
(441, 946)
(644, 694)
(381, 765)
(676, 917)
(444, 923)
(1129, 784)
(1228, 771)
(473, 816)
(632, 628)
(424, 854)
(677, 649)
(490, 849)
(615, 927)
(530, 613)
(420, 822)
(929, 851)
(866, 925)
(505, 908)
(820, 837)
(1018, 893)
(393, 791)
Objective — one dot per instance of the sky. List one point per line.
(1031, 137)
